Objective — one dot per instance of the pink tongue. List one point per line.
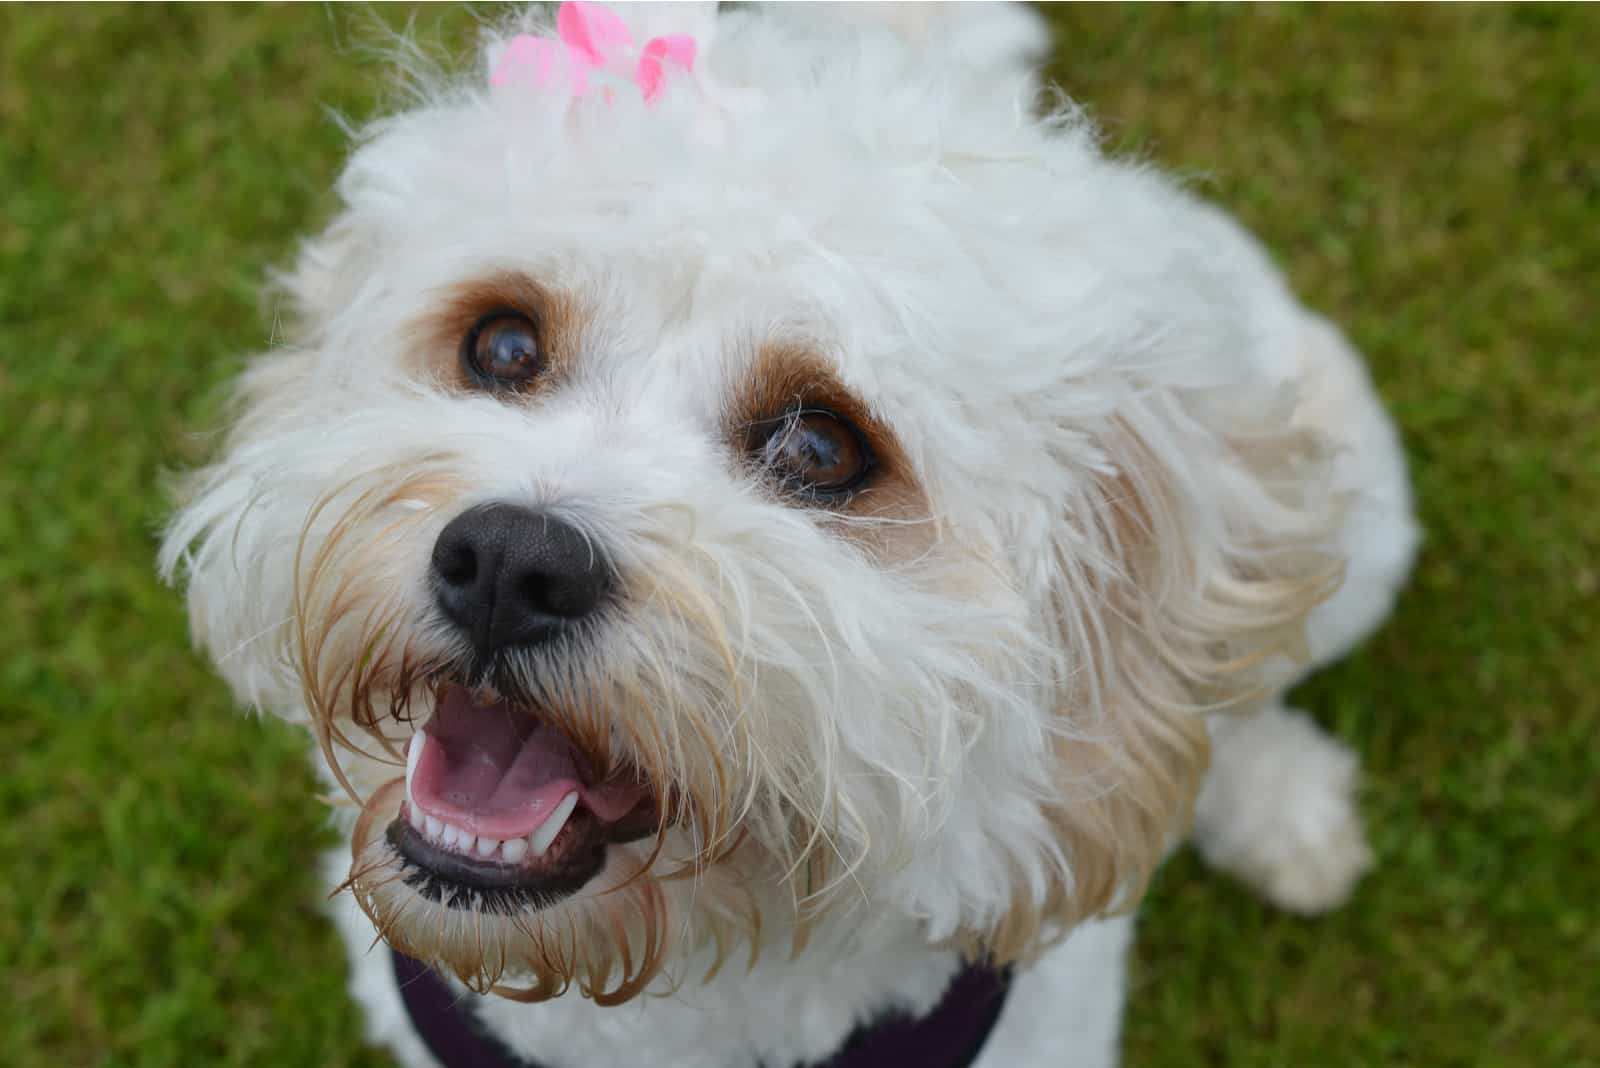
(494, 771)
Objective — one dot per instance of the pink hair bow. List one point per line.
(592, 37)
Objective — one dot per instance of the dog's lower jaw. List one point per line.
(785, 1010)
(711, 1008)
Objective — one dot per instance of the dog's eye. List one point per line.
(502, 350)
(817, 453)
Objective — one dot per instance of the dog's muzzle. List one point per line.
(503, 807)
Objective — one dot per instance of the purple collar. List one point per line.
(949, 1036)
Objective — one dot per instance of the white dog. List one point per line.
(766, 529)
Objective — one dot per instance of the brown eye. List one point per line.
(817, 453)
(502, 350)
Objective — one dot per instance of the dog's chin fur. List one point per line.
(1119, 477)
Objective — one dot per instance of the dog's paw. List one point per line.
(1279, 812)
(1309, 858)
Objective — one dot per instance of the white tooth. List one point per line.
(540, 840)
(435, 828)
(413, 755)
(487, 846)
(417, 819)
(454, 837)
(514, 849)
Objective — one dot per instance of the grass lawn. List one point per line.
(1428, 176)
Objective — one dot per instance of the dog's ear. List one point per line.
(327, 273)
(240, 622)
(1183, 574)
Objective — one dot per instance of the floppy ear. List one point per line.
(328, 271)
(1183, 575)
(209, 547)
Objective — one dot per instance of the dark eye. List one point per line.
(502, 350)
(816, 452)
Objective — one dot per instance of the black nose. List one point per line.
(508, 576)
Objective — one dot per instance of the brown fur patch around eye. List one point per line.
(786, 376)
(558, 318)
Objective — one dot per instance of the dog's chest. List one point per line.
(813, 1012)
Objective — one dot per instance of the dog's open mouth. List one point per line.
(501, 806)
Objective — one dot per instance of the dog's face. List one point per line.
(672, 544)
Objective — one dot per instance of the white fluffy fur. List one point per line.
(1072, 352)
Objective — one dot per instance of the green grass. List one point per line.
(1427, 176)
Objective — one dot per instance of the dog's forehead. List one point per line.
(830, 193)
(723, 229)
(857, 216)
(687, 275)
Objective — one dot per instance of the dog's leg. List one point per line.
(1379, 536)
(1278, 807)
(1278, 810)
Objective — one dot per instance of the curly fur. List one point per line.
(967, 713)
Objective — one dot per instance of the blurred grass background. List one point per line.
(1429, 177)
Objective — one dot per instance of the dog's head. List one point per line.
(676, 532)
